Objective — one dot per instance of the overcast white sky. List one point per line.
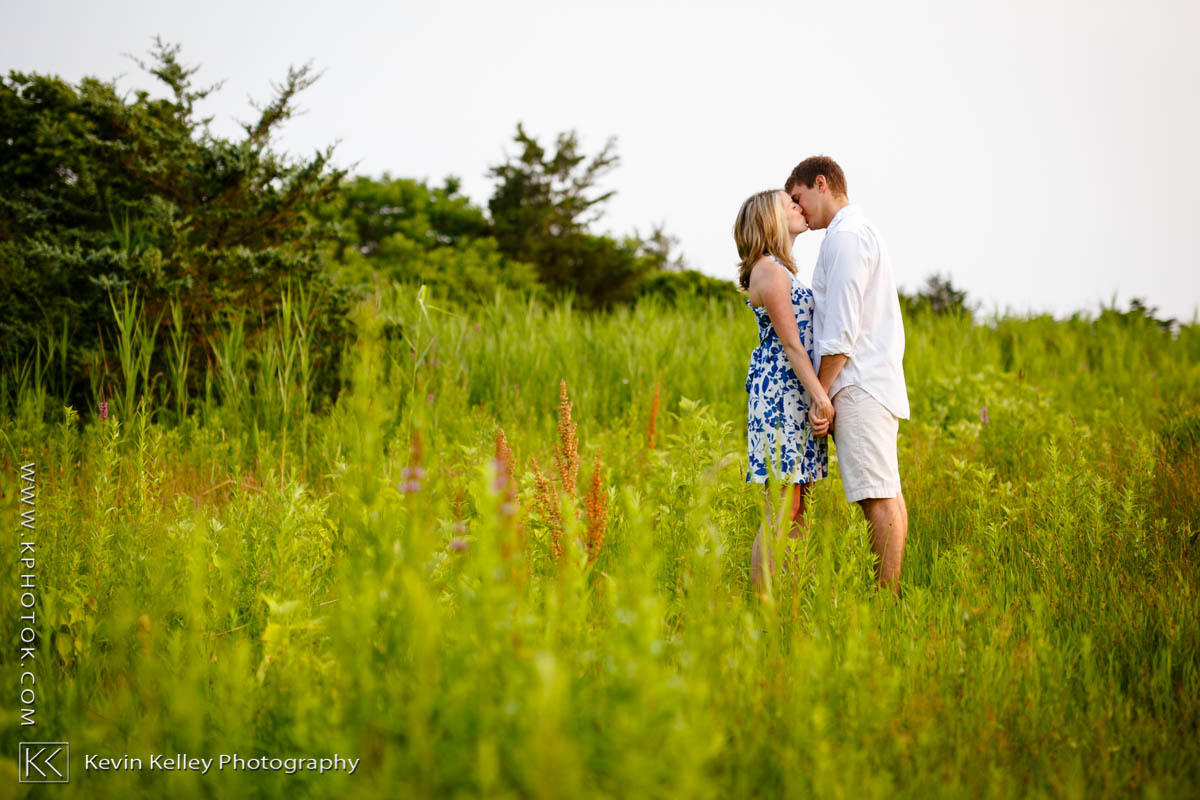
(1043, 154)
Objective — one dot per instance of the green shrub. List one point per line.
(674, 286)
(99, 193)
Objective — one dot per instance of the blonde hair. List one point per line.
(761, 230)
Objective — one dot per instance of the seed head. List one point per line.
(597, 512)
(547, 505)
(652, 425)
(567, 456)
(504, 471)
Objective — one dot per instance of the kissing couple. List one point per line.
(829, 360)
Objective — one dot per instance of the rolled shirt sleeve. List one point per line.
(849, 274)
(858, 311)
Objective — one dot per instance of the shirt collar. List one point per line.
(844, 213)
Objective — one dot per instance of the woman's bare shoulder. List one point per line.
(766, 274)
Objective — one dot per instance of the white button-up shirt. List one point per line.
(858, 311)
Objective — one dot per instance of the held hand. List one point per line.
(821, 415)
(820, 425)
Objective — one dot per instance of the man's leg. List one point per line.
(865, 434)
(887, 518)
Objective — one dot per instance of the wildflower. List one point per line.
(458, 543)
(547, 504)
(652, 425)
(103, 409)
(413, 473)
(503, 458)
(504, 475)
(983, 415)
(429, 397)
(597, 513)
(508, 508)
(567, 456)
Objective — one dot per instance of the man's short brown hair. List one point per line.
(806, 172)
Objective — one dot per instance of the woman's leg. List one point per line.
(760, 553)
(799, 506)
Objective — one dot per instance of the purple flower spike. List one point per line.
(458, 543)
(103, 409)
(983, 415)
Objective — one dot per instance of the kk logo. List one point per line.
(44, 762)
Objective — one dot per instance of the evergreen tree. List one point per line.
(413, 233)
(542, 208)
(99, 193)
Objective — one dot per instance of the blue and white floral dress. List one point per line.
(778, 404)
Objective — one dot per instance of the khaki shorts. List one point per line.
(864, 433)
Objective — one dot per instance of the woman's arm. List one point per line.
(772, 283)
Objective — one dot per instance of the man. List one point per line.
(860, 354)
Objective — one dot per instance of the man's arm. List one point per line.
(831, 365)
(849, 272)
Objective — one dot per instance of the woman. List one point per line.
(789, 411)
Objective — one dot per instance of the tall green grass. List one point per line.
(246, 573)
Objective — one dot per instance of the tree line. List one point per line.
(104, 195)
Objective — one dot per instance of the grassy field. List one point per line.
(249, 575)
